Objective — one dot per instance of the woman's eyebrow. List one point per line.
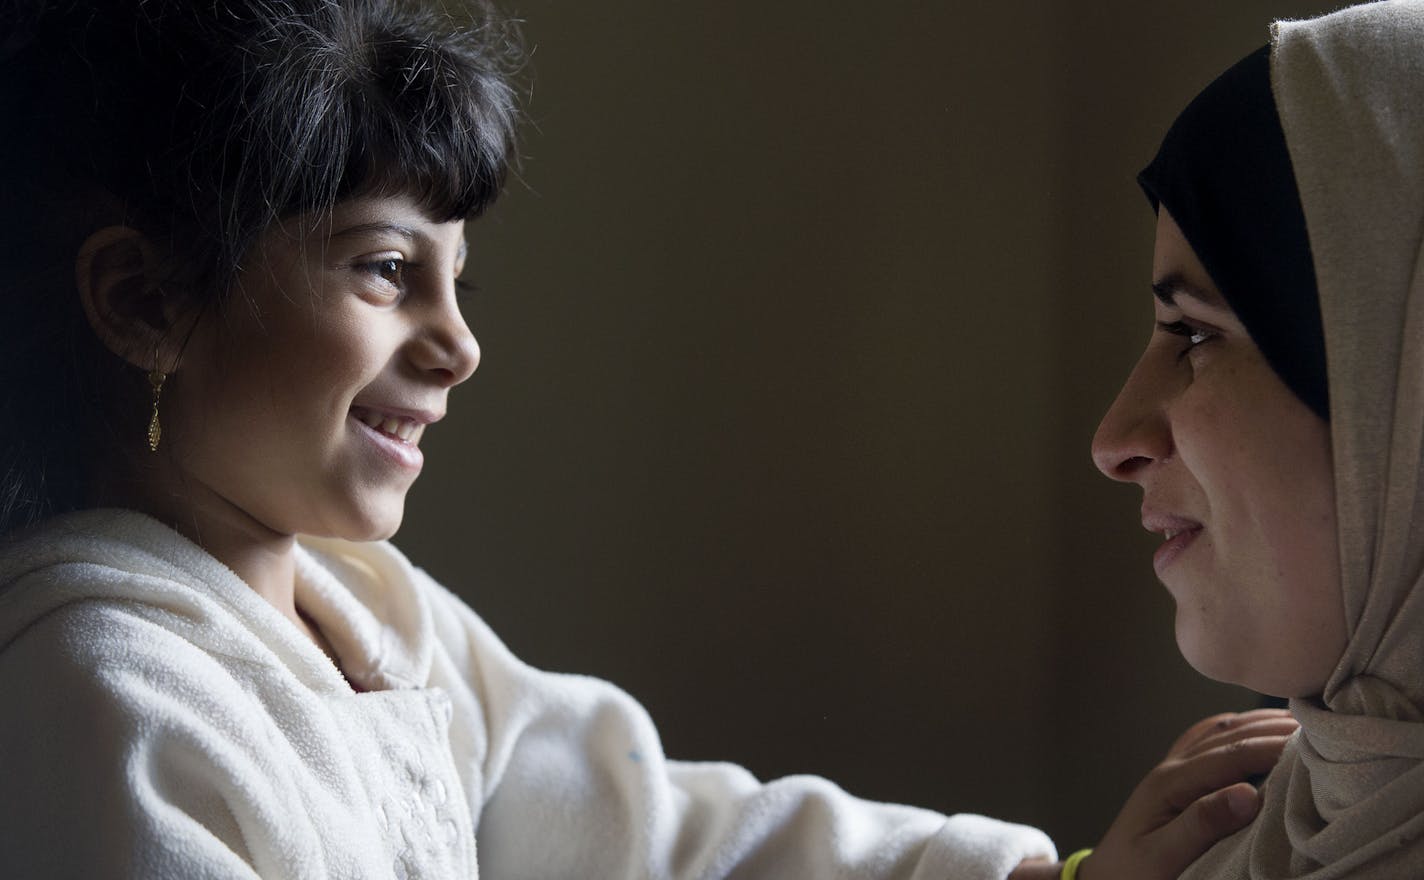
(1173, 285)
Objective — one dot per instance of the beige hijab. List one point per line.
(1347, 799)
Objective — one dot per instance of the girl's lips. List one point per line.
(1173, 547)
(405, 427)
(399, 452)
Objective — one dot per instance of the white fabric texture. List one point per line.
(1347, 799)
(162, 720)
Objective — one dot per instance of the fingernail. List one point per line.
(1242, 802)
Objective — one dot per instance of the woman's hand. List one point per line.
(1195, 797)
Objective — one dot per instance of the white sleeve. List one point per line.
(116, 761)
(575, 785)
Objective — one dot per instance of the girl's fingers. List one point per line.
(1178, 784)
(1194, 798)
(1207, 820)
(1219, 726)
(1250, 729)
(1202, 729)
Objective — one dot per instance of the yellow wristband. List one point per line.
(1070, 864)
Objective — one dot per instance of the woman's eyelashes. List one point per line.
(1193, 334)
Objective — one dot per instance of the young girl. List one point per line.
(1276, 426)
(234, 232)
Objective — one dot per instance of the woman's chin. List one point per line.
(1244, 668)
(1202, 654)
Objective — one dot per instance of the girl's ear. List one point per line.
(118, 276)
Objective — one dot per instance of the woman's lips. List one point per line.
(1178, 531)
(1178, 540)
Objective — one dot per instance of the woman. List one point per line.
(1276, 425)
(235, 232)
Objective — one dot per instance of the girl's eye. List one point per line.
(465, 290)
(391, 270)
(1194, 335)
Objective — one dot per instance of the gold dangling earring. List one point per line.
(155, 430)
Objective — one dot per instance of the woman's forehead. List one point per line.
(1177, 272)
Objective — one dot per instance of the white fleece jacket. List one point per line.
(162, 720)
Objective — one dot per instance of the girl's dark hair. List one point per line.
(199, 123)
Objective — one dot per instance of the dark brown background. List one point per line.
(796, 329)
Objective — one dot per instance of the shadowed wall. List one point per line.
(796, 329)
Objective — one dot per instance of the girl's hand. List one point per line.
(1195, 797)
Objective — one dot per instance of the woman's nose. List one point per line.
(1134, 432)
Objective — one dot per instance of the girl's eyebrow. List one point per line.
(405, 232)
(1173, 285)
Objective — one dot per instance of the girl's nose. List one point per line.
(447, 348)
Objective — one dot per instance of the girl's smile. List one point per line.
(300, 406)
(394, 435)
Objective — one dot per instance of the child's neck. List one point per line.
(264, 559)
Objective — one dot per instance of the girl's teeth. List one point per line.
(405, 429)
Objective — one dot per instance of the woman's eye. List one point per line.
(1192, 334)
